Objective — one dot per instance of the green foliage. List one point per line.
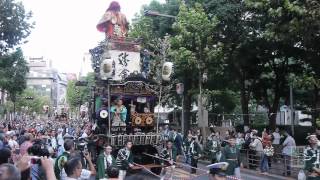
(252, 46)
(15, 25)
(31, 105)
(13, 71)
(78, 95)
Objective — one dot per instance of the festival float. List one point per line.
(124, 96)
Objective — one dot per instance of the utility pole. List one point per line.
(292, 110)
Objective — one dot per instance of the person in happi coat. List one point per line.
(213, 146)
(105, 160)
(312, 158)
(186, 145)
(231, 154)
(193, 153)
(124, 160)
(177, 141)
(118, 113)
(168, 156)
(63, 158)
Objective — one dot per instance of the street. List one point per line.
(183, 173)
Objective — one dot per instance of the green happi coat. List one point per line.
(168, 155)
(230, 155)
(213, 147)
(186, 144)
(101, 166)
(59, 164)
(312, 160)
(124, 158)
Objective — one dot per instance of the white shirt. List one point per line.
(257, 145)
(85, 174)
(60, 139)
(289, 146)
(68, 178)
(13, 144)
(276, 138)
(53, 142)
(107, 158)
(84, 135)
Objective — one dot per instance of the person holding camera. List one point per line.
(105, 160)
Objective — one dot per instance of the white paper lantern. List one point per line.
(106, 69)
(167, 70)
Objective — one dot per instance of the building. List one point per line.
(45, 80)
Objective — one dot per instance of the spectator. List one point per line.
(289, 146)
(53, 141)
(257, 147)
(311, 157)
(113, 172)
(5, 155)
(12, 143)
(268, 151)
(73, 168)
(239, 140)
(26, 144)
(9, 172)
(276, 137)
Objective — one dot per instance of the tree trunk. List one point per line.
(274, 109)
(244, 98)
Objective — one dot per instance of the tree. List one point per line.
(194, 51)
(260, 48)
(29, 101)
(309, 32)
(13, 71)
(78, 95)
(15, 25)
(279, 52)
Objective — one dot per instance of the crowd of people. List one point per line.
(47, 150)
(264, 148)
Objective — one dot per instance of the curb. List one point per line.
(253, 172)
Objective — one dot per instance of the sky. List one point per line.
(66, 29)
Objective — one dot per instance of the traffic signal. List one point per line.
(81, 83)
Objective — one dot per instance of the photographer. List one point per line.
(84, 173)
(25, 162)
(38, 149)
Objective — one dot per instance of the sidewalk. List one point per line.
(256, 173)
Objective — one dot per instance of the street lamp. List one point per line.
(155, 13)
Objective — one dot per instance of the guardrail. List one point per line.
(278, 163)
